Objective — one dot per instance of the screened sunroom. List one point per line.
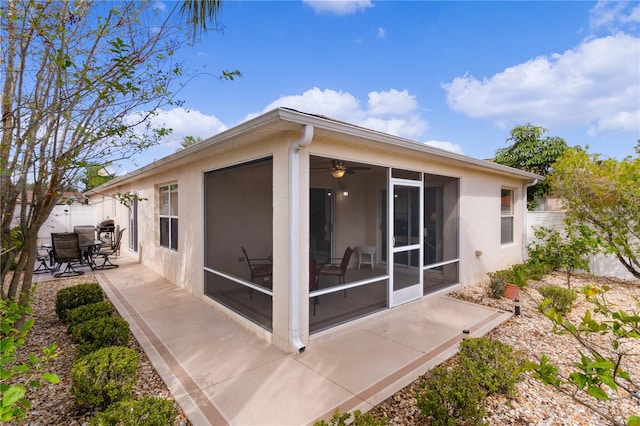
(382, 213)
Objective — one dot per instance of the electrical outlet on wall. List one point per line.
(241, 259)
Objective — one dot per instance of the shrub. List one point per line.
(537, 270)
(569, 250)
(72, 297)
(359, 419)
(100, 332)
(456, 395)
(147, 410)
(84, 313)
(491, 363)
(104, 377)
(450, 396)
(498, 281)
(560, 299)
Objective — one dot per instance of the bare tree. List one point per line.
(80, 83)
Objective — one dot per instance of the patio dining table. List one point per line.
(88, 252)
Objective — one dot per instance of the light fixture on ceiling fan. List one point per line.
(338, 169)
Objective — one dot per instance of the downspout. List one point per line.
(294, 236)
(525, 210)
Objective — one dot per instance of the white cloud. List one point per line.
(339, 7)
(447, 146)
(186, 123)
(391, 102)
(595, 84)
(381, 33)
(158, 5)
(394, 112)
(615, 15)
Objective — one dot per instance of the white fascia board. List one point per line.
(352, 130)
(279, 118)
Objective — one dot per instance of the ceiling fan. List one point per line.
(339, 168)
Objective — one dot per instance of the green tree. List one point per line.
(187, 141)
(602, 337)
(569, 250)
(603, 194)
(199, 13)
(80, 83)
(531, 152)
(94, 176)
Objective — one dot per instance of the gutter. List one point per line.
(294, 237)
(525, 210)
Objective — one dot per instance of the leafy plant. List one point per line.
(498, 281)
(104, 377)
(598, 367)
(100, 332)
(451, 396)
(570, 251)
(88, 312)
(604, 194)
(359, 419)
(530, 152)
(560, 299)
(147, 410)
(17, 378)
(78, 295)
(456, 395)
(491, 363)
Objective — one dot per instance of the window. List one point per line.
(506, 216)
(168, 213)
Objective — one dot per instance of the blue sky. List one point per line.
(458, 75)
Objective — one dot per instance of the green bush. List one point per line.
(100, 332)
(84, 313)
(491, 363)
(359, 419)
(78, 295)
(498, 281)
(147, 410)
(456, 395)
(451, 396)
(537, 270)
(104, 377)
(560, 299)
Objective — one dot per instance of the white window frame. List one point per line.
(166, 212)
(509, 215)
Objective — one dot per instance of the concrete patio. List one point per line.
(220, 372)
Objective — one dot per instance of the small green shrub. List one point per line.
(104, 377)
(537, 270)
(359, 419)
(456, 395)
(451, 396)
(498, 281)
(147, 410)
(491, 363)
(78, 295)
(84, 313)
(100, 332)
(561, 299)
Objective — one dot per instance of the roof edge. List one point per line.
(300, 118)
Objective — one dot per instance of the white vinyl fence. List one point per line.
(63, 218)
(601, 265)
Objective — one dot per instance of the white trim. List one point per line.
(239, 281)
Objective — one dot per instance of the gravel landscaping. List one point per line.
(529, 333)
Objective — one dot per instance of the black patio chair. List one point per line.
(65, 248)
(45, 259)
(106, 253)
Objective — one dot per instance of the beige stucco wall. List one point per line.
(479, 215)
